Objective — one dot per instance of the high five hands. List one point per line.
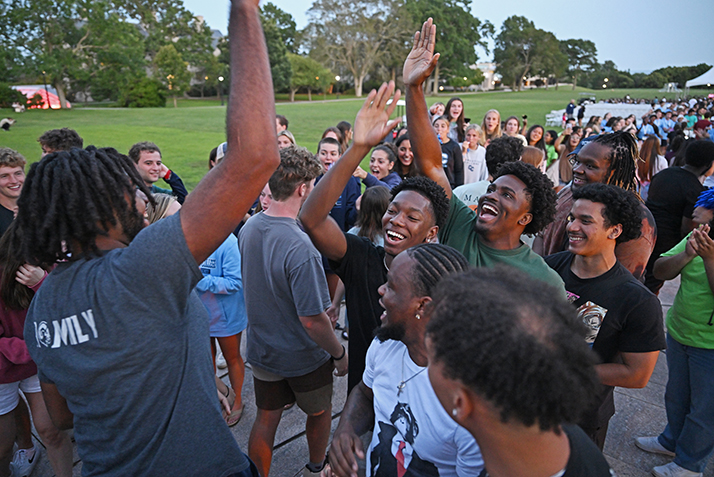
(421, 60)
(372, 122)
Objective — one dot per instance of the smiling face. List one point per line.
(575, 139)
(408, 221)
(11, 180)
(379, 164)
(455, 110)
(590, 165)
(442, 129)
(328, 155)
(536, 135)
(149, 166)
(398, 299)
(512, 127)
(504, 209)
(491, 121)
(588, 234)
(406, 156)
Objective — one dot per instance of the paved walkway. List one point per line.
(639, 412)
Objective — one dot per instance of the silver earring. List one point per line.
(418, 317)
(454, 412)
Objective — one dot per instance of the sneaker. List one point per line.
(220, 360)
(651, 444)
(673, 470)
(21, 465)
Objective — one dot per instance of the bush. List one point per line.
(145, 93)
(9, 96)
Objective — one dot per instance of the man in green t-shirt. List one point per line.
(520, 199)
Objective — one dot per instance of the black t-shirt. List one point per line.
(6, 218)
(672, 195)
(585, 459)
(362, 271)
(621, 314)
(453, 162)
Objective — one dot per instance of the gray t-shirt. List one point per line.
(125, 340)
(283, 279)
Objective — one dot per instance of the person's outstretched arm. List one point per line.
(371, 126)
(218, 204)
(417, 68)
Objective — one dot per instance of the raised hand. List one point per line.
(372, 122)
(421, 60)
(704, 244)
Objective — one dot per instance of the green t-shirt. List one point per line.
(690, 320)
(460, 233)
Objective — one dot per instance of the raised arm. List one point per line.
(371, 126)
(220, 201)
(417, 68)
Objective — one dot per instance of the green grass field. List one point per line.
(186, 134)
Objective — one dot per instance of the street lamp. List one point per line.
(337, 86)
(220, 88)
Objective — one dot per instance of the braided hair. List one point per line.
(433, 261)
(71, 197)
(623, 159)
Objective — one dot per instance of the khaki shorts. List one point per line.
(312, 391)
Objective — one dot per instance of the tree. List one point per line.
(355, 35)
(516, 49)
(582, 56)
(173, 70)
(285, 24)
(307, 73)
(550, 60)
(457, 34)
(277, 49)
(463, 82)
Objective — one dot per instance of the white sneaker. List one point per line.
(673, 470)
(651, 444)
(21, 465)
(220, 360)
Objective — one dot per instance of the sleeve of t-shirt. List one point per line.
(369, 363)
(679, 248)
(643, 331)
(690, 199)
(459, 222)
(469, 461)
(157, 267)
(355, 251)
(458, 166)
(309, 287)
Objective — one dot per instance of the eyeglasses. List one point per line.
(573, 160)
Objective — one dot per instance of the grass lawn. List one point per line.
(186, 134)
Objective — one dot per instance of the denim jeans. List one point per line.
(689, 401)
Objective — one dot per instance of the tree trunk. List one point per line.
(547, 80)
(556, 84)
(435, 89)
(394, 75)
(358, 85)
(60, 94)
(292, 95)
(175, 103)
(575, 81)
(309, 94)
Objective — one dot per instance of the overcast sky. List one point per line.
(639, 35)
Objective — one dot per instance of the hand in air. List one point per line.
(29, 275)
(360, 173)
(372, 122)
(421, 60)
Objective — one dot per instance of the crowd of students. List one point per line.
(500, 281)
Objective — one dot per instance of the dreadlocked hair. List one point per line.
(433, 261)
(623, 158)
(71, 197)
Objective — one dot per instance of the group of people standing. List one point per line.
(488, 326)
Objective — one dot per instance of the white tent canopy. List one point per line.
(706, 78)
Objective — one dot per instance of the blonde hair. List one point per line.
(496, 133)
(157, 212)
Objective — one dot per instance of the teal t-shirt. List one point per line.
(460, 233)
(690, 320)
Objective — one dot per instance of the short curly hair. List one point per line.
(621, 207)
(501, 150)
(11, 158)
(297, 166)
(136, 150)
(516, 342)
(540, 192)
(61, 139)
(432, 191)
